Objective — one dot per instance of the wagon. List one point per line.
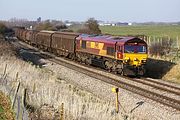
(23, 35)
(43, 39)
(63, 43)
(29, 36)
(33, 37)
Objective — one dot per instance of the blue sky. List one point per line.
(81, 10)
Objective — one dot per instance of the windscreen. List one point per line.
(135, 49)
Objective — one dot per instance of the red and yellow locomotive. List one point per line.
(123, 55)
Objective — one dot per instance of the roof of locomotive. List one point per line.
(105, 38)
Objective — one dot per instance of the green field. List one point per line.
(150, 30)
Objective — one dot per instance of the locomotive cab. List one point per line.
(133, 53)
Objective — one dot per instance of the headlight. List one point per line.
(126, 59)
(135, 59)
(143, 61)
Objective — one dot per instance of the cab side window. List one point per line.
(110, 51)
(83, 45)
(120, 49)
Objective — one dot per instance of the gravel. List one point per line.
(131, 104)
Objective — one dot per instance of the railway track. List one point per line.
(122, 84)
(158, 85)
(165, 100)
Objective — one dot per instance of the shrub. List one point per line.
(91, 27)
(161, 48)
(3, 28)
(44, 26)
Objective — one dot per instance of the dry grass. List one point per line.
(78, 104)
(43, 89)
(6, 48)
(173, 75)
(160, 69)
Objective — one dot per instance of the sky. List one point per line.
(81, 10)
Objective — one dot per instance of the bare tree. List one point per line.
(91, 27)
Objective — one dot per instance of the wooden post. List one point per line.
(149, 40)
(177, 42)
(17, 74)
(154, 39)
(14, 99)
(34, 88)
(24, 97)
(117, 102)
(5, 70)
(62, 112)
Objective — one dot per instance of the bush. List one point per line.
(3, 28)
(91, 27)
(67, 30)
(60, 27)
(161, 48)
(44, 26)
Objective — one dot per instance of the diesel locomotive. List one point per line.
(122, 55)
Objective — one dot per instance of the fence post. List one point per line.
(149, 40)
(34, 88)
(62, 112)
(5, 70)
(14, 99)
(23, 101)
(24, 97)
(154, 39)
(177, 42)
(17, 74)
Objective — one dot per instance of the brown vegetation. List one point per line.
(5, 108)
(54, 26)
(6, 48)
(173, 75)
(161, 48)
(3, 28)
(44, 26)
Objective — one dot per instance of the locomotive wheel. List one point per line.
(87, 61)
(142, 71)
(107, 65)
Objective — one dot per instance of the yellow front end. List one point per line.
(135, 59)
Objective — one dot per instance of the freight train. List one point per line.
(122, 55)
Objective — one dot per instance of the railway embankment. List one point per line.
(54, 91)
(166, 70)
(38, 93)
